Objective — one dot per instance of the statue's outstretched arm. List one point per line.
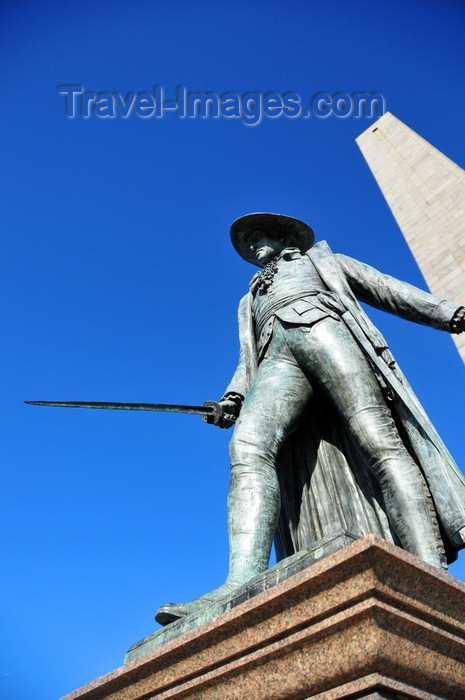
(401, 298)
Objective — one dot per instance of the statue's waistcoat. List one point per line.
(295, 295)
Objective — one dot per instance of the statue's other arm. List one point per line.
(400, 298)
(237, 388)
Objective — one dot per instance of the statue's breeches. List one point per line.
(325, 355)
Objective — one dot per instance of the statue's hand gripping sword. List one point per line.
(211, 411)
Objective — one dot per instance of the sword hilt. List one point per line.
(217, 414)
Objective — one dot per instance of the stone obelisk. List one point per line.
(425, 191)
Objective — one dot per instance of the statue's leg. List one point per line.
(270, 412)
(332, 358)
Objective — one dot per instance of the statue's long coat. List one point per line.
(325, 486)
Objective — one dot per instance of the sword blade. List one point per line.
(164, 407)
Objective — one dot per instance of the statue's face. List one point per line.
(264, 246)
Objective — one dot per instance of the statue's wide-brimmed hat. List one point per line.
(294, 232)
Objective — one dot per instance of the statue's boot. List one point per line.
(253, 509)
(170, 612)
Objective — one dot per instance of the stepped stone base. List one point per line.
(369, 621)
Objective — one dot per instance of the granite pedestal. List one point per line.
(368, 621)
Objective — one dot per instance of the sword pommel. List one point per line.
(217, 414)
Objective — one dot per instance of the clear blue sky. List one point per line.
(120, 283)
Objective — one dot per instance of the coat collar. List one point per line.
(285, 254)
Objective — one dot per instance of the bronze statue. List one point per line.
(328, 435)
